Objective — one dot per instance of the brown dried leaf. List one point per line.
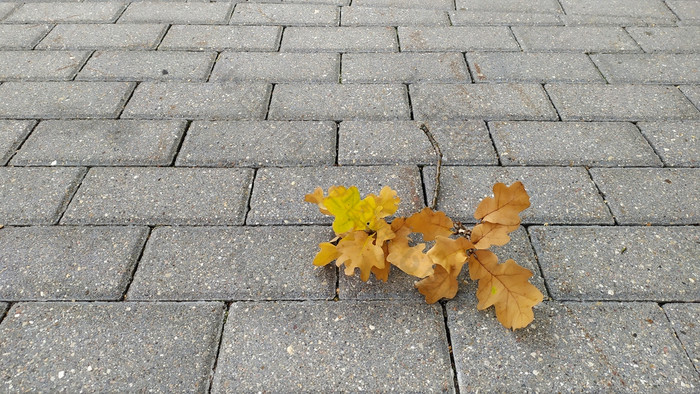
(486, 234)
(357, 250)
(441, 284)
(409, 259)
(327, 254)
(317, 198)
(450, 253)
(430, 223)
(504, 207)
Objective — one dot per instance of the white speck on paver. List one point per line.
(61, 374)
(290, 349)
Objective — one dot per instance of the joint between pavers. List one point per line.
(12, 11)
(82, 64)
(398, 40)
(269, 102)
(215, 363)
(132, 274)
(450, 348)
(639, 46)
(546, 93)
(493, 144)
(512, 34)
(250, 196)
(281, 30)
(663, 163)
(19, 146)
(409, 102)
(687, 97)
(602, 195)
(53, 26)
(675, 333)
(213, 64)
(590, 59)
(4, 314)
(469, 69)
(337, 143)
(125, 6)
(163, 33)
(64, 207)
(229, 14)
(537, 261)
(129, 95)
(188, 124)
(424, 187)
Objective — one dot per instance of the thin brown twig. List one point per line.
(438, 153)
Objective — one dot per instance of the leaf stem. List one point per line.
(438, 153)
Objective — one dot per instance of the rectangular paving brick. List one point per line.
(481, 101)
(404, 67)
(520, 6)
(63, 99)
(651, 195)
(620, 102)
(677, 143)
(285, 14)
(277, 67)
(403, 142)
(478, 18)
(258, 144)
(373, 16)
(619, 21)
(339, 102)
(233, 263)
(453, 38)
(649, 68)
(532, 67)
(110, 346)
(101, 143)
(667, 39)
(626, 267)
(575, 39)
(593, 144)
(7, 8)
(628, 8)
(219, 38)
(36, 195)
(331, 2)
(177, 13)
(21, 36)
(89, 12)
(148, 66)
(339, 39)
(198, 101)
(104, 36)
(161, 196)
(692, 93)
(563, 195)
(427, 4)
(40, 65)
(278, 195)
(590, 346)
(323, 338)
(68, 263)
(684, 321)
(12, 134)
(687, 11)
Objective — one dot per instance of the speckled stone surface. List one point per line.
(692, 92)
(147, 66)
(379, 16)
(404, 67)
(339, 39)
(532, 67)
(667, 39)
(627, 264)
(677, 143)
(285, 14)
(67, 263)
(218, 38)
(109, 346)
(233, 263)
(632, 8)
(684, 318)
(345, 346)
(649, 68)
(51, 12)
(12, 134)
(22, 36)
(574, 39)
(523, 7)
(277, 67)
(177, 13)
(103, 36)
(40, 66)
(456, 38)
(469, 18)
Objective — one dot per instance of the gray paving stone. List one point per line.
(624, 21)
(40, 65)
(21, 36)
(677, 143)
(63, 99)
(667, 39)
(587, 346)
(104, 36)
(177, 13)
(277, 67)
(7, 8)
(331, 2)
(482, 101)
(684, 320)
(339, 102)
(148, 66)
(372, 16)
(102, 12)
(278, 195)
(519, 6)
(258, 144)
(469, 18)
(404, 67)
(532, 67)
(339, 39)
(626, 8)
(224, 263)
(651, 195)
(3, 308)
(219, 38)
(630, 264)
(68, 263)
(620, 102)
(346, 346)
(427, 4)
(403, 142)
(110, 346)
(456, 38)
(199, 101)
(36, 195)
(575, 39)
(101, 143)
(161, 196)
(692, 93)
(649, 68)
(12, 134)
(593, 144)
(563, 195)
(687, 11)
(285, 14)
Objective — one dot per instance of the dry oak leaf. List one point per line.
(506, 287)
(430, 223)
(328, 253)
(383, 273)
(409, 259)
(450, 253)
(441, 284)
(387, 202)
(317, 198)
(358, 250)
(504, 207)
(486, 234)
(351, 213)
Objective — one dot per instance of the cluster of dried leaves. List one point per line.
(365, 240)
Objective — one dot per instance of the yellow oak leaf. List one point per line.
(383, 231)
(450, 253)
(358, 250)
(441, 284)
(430, 223)
(327, 254)
(317, 198)
(486, 234)
(387, 202)
(351, 213)
(409, 259)
(383, 273)
(504, 207)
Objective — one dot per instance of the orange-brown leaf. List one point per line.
(504, 207)
(450, 253)
(430, 223)
(486, 234)
(317, 198)
(383, 273)
(441, 284)
(327, 254)
(409, 259)
(387, 202)
(357, 250)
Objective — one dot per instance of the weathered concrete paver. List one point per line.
(69, 12)
(177, 13)
(285, 14)
(467, 38)
(278, 345)
(677, 143)
(490, 18)
(667, 39)
(692, 92)
(103, 36)
(109, 346)
(532, 67)
(67, 263)
(374, 16)
(147, 66)
(21, 36)
(277, 67)
(649, 68)
(412, 4)
(684, 320)
(575, 39)
(404, 67)
(629, 8)
(339, 39)
(12, 134)
(688, 11)
(219, 38)
(40, 65)
(233, 263)
(6, 9)
(549, 6)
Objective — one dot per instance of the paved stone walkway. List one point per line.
(154, 159)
